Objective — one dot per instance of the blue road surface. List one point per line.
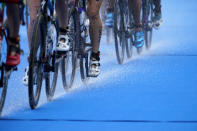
(155, 91)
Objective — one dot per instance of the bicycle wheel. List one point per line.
(84, 50)
(69, 65)
(84, 65)
(147, 20)
(36, 68)
(119, 32)
(51, 78)
(3, 76)
(129, 35)
(69, 62)
(3, 87)
(129, 45)
(51, 67)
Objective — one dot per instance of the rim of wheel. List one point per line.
(119, 33)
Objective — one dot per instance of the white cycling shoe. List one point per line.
(94, 68)
(63, 43)
(26, 77)
(94, 65)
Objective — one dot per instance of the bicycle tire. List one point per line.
(35, 65)
(129, 46)
(129, 35)
(68, 77)
(51, 87)
(69, 63)
(4, 89)
(84, 68)
(84, 52)
(147, 16)
(52, 67)
(119, 43)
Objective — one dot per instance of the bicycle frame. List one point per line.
(44, 12)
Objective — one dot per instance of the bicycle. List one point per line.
(42, 63)
(79, 52)
(5, 70)
(124, 29)
(81, 49)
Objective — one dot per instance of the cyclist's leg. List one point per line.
(13, 56)
(95, 32)
(135, 6)
(157, 11)
(157, 4)
(95, 23)
(34, 7)
(61, 9)
(111, 5)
